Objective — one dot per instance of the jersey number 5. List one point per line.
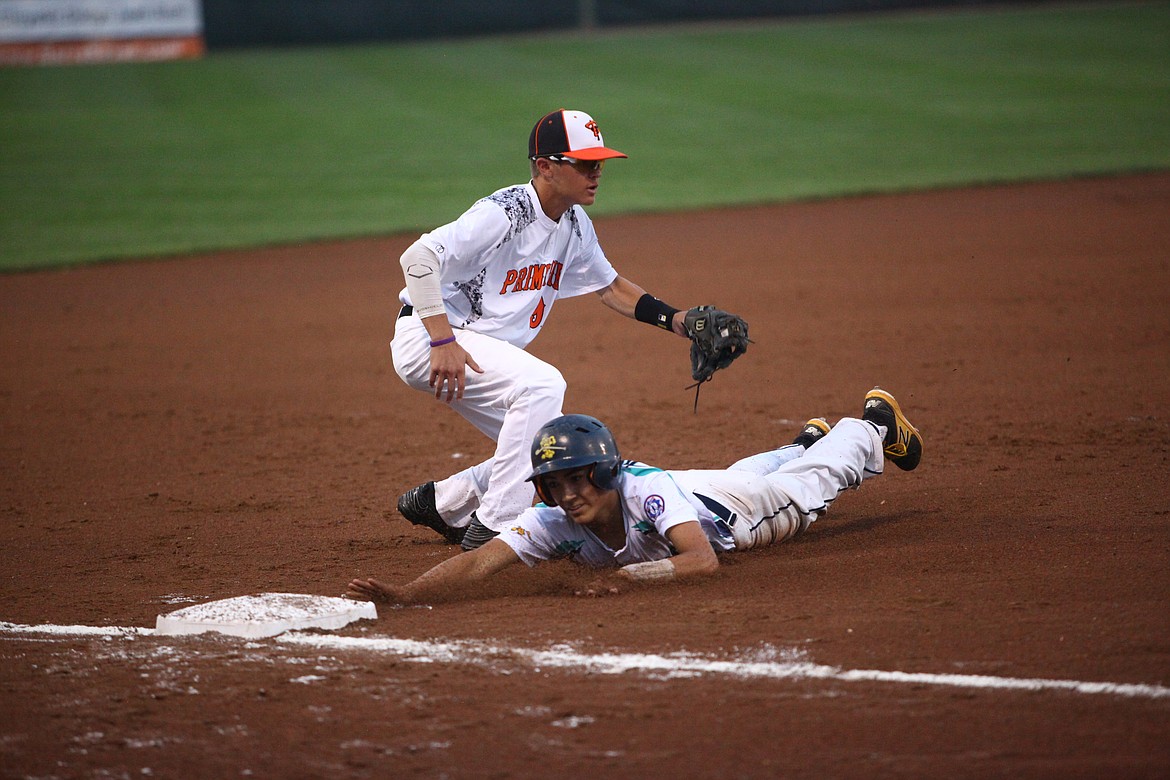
(537, 315)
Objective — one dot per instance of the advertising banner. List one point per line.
(71, 31)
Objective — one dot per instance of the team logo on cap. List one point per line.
(548, 449)
(593, 128)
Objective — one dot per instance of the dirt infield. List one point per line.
(214, 426)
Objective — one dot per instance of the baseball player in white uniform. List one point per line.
(646, 524)
(478, 290)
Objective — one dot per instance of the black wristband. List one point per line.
(654, 312)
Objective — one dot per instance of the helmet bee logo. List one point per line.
(548, 449)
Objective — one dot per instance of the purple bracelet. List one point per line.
(441, 342)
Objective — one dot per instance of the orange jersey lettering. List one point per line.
(533, 277)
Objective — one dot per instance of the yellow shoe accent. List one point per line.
(903, 442)
(813, 431)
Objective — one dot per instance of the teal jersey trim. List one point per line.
(568, 549)
(645, 526)
(640, 470)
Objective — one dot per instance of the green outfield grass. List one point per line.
(257, 147)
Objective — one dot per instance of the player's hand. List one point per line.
(372, 590)
(448, 370)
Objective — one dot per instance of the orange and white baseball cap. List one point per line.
(568, 134)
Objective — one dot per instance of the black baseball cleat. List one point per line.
(813, 431)
(903, 442)
(477, 534)
(418, 506)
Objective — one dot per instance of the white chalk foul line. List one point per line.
(768, 663)
(686, 664)
(16, 628)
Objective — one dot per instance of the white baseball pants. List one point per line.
(509, 402)
(776, 495)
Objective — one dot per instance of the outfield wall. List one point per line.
(231, 23)
(51, 31)
(45, 32)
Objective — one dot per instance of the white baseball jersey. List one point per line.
(652, 504)
(504, 263)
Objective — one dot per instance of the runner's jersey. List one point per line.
(652, 504)
(504, 263)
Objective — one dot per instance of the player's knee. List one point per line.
(549, 384)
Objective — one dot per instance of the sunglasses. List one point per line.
(583, 167)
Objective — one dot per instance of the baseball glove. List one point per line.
(717, 338)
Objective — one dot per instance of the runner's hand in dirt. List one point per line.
(372, 590)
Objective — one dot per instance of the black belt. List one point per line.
(405, 311)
